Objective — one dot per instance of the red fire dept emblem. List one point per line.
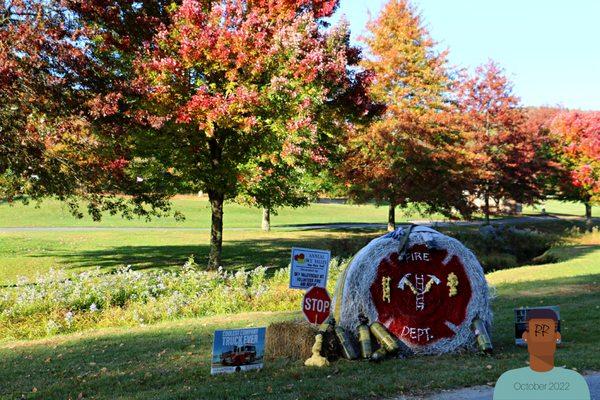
(421, 298)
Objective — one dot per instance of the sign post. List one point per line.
(316, 305)
(309, 268)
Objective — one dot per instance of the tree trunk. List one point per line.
(486, 208)
(588, 217)
(266, 219)
(216, 229)
(392, 217)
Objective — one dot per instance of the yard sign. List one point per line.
(238, 350)
(309, 268)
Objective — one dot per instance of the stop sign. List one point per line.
(316, 305)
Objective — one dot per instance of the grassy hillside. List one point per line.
(171, 360)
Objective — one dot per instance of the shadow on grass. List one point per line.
(337, 226)
(173, 361)
(574, 251)
(270, 252)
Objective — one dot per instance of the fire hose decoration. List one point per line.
(425, 288)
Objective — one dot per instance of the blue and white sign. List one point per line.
(238, 350)
(309, 268)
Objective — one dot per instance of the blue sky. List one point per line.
(550, 49)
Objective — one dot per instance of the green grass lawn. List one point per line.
(172, 360)
(561, 208)
(29, 253)
(197, 215)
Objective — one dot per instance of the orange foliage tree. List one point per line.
(414, 152)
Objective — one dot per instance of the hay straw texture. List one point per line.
(362, 270)
(290, 339)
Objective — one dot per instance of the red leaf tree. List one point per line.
(167, 95)
(576, 147)
(510, 163)
(216, 85)
(46, 149)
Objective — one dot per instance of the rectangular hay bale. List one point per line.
(290, 339)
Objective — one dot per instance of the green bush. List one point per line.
(497, 261)
(500, 247)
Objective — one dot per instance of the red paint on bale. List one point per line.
(414, 319)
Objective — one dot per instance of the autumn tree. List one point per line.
(220, 84)
(536, 126)
(57, 61)
(511, 161)
(171, 95)
(219, 80)
(45, 148)
(291, 172)
(29, 91)
(269, 184)
(539, 119)
(413, 152)
(290, 169)
(286, 176)
(576, 147)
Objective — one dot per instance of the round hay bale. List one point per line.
(426, 293)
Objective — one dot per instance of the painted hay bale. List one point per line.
(427, 298)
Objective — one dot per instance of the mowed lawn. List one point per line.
(27, 253)
(197, 215)
(172, 360)
(565, 208)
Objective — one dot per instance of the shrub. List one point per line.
(497, 261)
(58, 303)
(500, 247)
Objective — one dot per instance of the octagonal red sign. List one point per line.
(316, 305)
